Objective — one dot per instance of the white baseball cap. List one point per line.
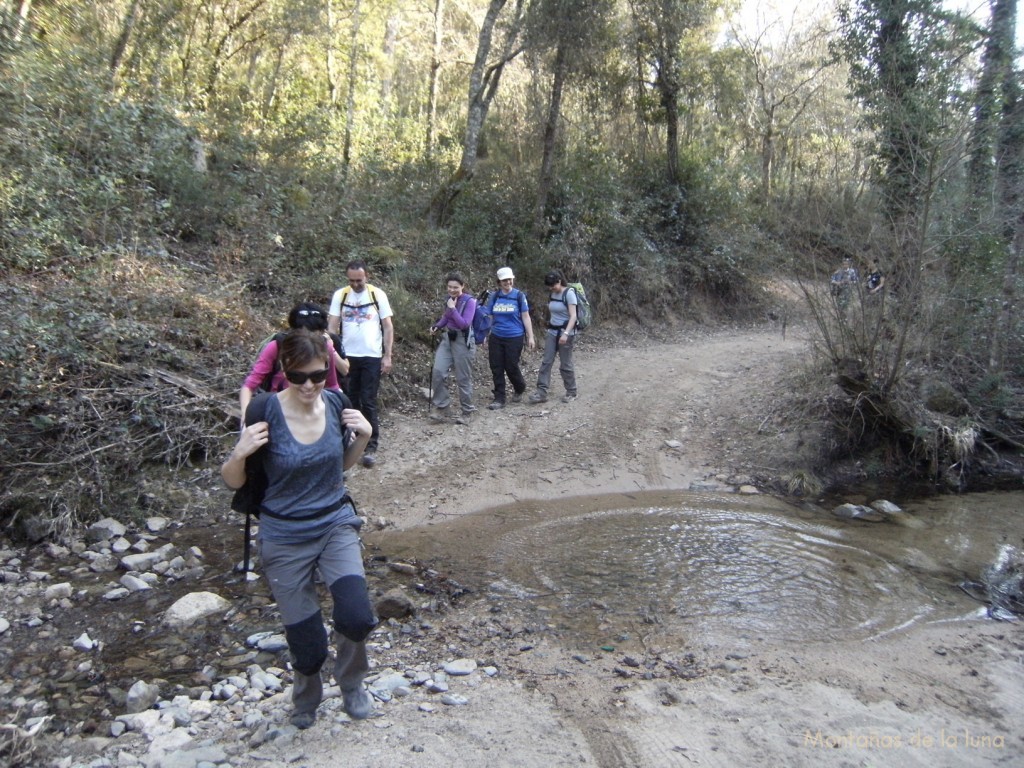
(505, 273)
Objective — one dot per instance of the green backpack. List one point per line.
(584, 314)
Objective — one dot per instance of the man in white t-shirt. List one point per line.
(363, 314)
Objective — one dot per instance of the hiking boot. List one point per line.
(369, 460)
(438, 415)
(497, 405)
(357, 703)
(569, 399)
(517, 397)
(539, 397)
(303, 720)
(465, 417)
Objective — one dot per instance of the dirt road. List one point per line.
(937, 695)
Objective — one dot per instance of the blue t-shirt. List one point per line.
(507, 313)
(304, 479)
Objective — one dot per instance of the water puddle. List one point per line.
(711, 570)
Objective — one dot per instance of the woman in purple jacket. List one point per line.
(456, 349)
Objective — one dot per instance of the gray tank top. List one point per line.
(304, 479)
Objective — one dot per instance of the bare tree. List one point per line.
(127, 26)
(434, 77)
(483, 85)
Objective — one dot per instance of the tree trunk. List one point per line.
(435, 74)
(18, 21)
(550, 135)
(1010, 184)
(483, 85)
(331, 62)
(388, 50)
(127, 27)
(997, 65)
(350, 105)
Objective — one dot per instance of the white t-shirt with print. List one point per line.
(361, 330)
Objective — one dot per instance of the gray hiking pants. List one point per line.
(457, 355)
(290, 570)
(565, 363)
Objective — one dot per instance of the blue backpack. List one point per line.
(482, 318)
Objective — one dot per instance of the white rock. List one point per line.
(273, 644)
(117, 593)
(58, 591)
(157, 524)
(748, 490)
(191, 608)
(885, 507)
(134, 583)
(83, 642)
(120, 545)
(4, 625)
(141, 696)
(107, 528)
(142, 561)
(454, 700)
(460, 667)
(674, 445)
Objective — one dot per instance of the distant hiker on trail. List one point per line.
(309, 525)
(559, 338)
(456, 350)
(511, 326)
(843, 282)
(363, 314)
(267, 374)
(876, 280)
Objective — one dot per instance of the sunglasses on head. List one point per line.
(298, 378)
(309, 313)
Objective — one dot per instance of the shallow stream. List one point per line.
(711, 569)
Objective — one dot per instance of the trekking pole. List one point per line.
(430, 374)
(247, 544)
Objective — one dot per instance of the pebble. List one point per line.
(4, 625)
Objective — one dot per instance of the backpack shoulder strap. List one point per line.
(332, 393)
(257, 410)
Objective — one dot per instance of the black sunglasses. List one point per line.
(298, 378)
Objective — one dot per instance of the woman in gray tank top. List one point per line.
(308, 523)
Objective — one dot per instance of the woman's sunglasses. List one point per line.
(298, 378)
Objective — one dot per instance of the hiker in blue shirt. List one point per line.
(511, 326)
(559, 339)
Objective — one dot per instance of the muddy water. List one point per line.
(715, 570)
